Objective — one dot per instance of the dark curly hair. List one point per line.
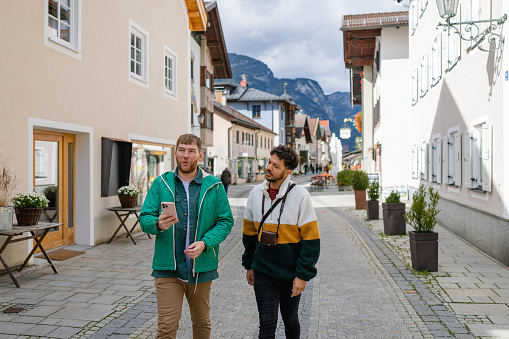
(287, 154)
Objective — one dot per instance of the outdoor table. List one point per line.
(124, 213)
(20, 230)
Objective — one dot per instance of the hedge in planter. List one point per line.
(372, 205)
(423, 241)
(344, 178)
(393, 212)
(360, 183)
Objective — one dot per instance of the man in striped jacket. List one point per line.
(280, 256)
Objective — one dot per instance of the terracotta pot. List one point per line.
(127, 201)
(424, 251)
(394, 218)
(372, 208)
(28, 216)
(360, 199)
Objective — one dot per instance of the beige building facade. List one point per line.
(87, 90)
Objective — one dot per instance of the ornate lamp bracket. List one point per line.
(475, 34)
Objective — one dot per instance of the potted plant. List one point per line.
(372, 205)
(423, 241)
(8, 183)
(128, 196)
(393, 212)
(51, 193)
(344, 179)
(360, 183)
(28, 207)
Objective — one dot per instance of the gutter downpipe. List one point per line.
(230, 155)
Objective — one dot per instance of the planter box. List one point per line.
(394, 220)
(424, 251)
(372, 207)
(360, 199)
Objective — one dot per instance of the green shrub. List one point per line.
(393, 198)
(360, 180)
(422, 215)
(344, 178)
(374, 190)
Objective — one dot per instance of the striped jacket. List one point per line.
(298, 243)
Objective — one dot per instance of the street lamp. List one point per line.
(201, 117)
(473, 33)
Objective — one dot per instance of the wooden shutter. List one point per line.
(445, 162)
(457, 159)
(487, 131)
(439, 161)
(467, 159)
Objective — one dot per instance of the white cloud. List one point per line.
(295, 38)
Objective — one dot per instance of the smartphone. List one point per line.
(168, 208)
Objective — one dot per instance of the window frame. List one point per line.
(454, 157)
(256, 109)
(73, 47)
(423, 76)
(137, 30)
(171, 55)
(415, 86)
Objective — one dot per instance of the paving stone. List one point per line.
(63, 332)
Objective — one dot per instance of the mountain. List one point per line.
(307, 93)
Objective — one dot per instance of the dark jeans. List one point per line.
(273, 293)
(226, 187)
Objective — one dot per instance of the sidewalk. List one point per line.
(470, 284)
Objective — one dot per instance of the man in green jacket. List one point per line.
(187, 244)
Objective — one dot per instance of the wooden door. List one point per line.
(54, 177)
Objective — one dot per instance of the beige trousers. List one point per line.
(169, 294)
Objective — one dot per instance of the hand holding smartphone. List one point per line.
(169, 208)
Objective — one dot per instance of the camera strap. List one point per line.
(283, 199)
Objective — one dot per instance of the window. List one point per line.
(422, 7)
(192, 69)
(423, 75)
(415, 87)
(413, 16)
(436, 157)
(256, 111)
(477, 157)
(476, 10)
(243, 138)
(170, 72)
(451, 47)
(238, 137)
(436, 60)
(63, 26)
(138, 53)
(209, 81)
(452, 149)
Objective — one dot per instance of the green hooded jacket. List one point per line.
(215, 221)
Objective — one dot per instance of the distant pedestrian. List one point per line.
(280, 260)
(327, 169)
(186, 247)
(306, 168)
(320, 168)
(226, 178)
(312, 169)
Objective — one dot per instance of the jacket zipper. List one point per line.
(198, 221)
(174, 256)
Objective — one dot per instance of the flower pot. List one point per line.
(6, 216)
(360, 199)
(372, 208)
(127, 201)
(394, 220)
(28, 216)
(424, 251)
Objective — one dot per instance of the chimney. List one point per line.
(224, 96)
(243, 83)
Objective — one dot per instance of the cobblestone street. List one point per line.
(364, 287)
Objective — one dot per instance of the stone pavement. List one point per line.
(364, 287)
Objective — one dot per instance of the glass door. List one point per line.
(54, 177)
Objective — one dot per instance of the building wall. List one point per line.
(367, 118)
(394, 107)
(220, 149)
(91, 95)
(468, 92)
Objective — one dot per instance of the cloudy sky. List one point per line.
(295, 38)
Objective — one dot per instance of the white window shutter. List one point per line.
(445, 51)
(445, 162)
(418, 162)
(424, 161)
(457, 159)
(430, 162)
(467, 159)
(487, 157)
(439, 161)
(414, 163)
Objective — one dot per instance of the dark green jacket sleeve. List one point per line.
(151, 209)
(224, 220)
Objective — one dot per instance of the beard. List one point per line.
(192, 166)
(274, 179)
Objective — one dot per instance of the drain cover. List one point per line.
(14, 310)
